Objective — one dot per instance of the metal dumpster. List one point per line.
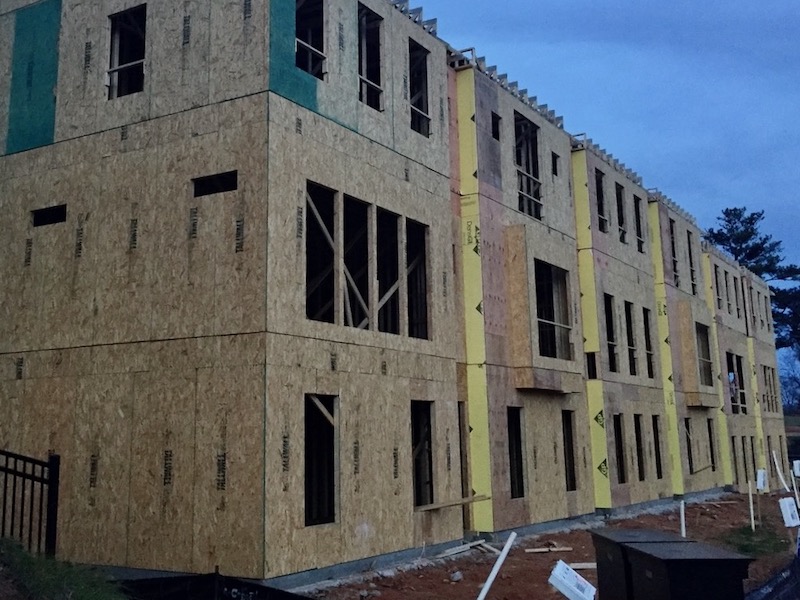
(613, 571)
(681, 571)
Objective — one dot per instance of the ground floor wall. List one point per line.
(187, 455)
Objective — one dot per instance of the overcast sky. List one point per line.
(700, 97)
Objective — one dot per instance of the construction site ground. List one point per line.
(723, 521)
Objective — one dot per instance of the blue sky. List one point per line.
(701, 97)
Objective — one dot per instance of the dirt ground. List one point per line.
(524, 575)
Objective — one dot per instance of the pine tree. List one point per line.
(740, 236)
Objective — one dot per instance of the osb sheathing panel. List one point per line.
(228, 516)
(162, 472)
(707, 473)
(629, 400)
(225, 57)
(374, 507)
(545, 487)
(168, 286)
(93, 526)
(518, 298)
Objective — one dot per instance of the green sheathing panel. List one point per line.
(34, 73)
(284, 77)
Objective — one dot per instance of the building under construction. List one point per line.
(293, 283)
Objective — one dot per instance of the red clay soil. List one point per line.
(524, 575)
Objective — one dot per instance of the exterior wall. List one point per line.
(612, 263)
(505, 369)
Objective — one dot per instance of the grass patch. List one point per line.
(765, 540)
(48, 579)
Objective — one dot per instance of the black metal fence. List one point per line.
(29, 500)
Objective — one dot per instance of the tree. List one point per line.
(739, 235)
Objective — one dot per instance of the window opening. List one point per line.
(704, 363)
(736, 298)
(417, 279)
(611, 338)
(770, 462)
(496, 126)
(692, 270)
(552, 310)
(369, 57)
(657, 445)
(735, 461)
(215, 184)
(736, 383)
(717, 287)
(758, 304)
(320, 450)
(726, 277)
(515, 464)
(753, 455)
(601, 201)
(49, 216)
(711, 445)
(687, 428)
(526, 159)
(320, 273)
(674, 252)
(623, 231)
(418, 88)
(648, 344)
(356, 263)
(554, 160)
(637, 215)
(388, 271)
(568, 434)
(640, 457)
(310, 34)
(767, 312)
(591, 365)
(619, 446)
(126, 64)
(631, 338)
(422, 451)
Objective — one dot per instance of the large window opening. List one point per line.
(687, 429)
(320, 268)
(418, 88)
(611, 335)
(310, 34)
(417, 278)
(320, 450)
(692, 270)
(602, 219)
(657, 445)
(619, 447)
(526, 158)
(712, 450)
(215, 184)
(640, 455)
(369, 57)
(630, 334)
(623, 228)
(673, 244)
(568, 435)
(552, 310)
(704, 363)
(648, 344)
(515, 464)
(126, 64)
(49, 216)
(422, 451)
(356, 263)
(736, 383)
(637, 215)
(388, 271)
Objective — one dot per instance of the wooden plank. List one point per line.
(461, 548)
(459, 502)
